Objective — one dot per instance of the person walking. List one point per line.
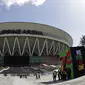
(59, 74)
(64, 74)
(38, 75)
(68, 70)
(54, 75)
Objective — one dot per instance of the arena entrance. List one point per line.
(16, 60)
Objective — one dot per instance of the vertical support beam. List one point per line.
(54, 48)
(26, 44)
(43, 47)
(38, 46)
(16, 41)
(6, 42)
(29, 47)
(58, 48)
(46, 47)
(34, 46)
(63, 47)
(51, 47)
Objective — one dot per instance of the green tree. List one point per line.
(82, 40)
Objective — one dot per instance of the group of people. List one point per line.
(62, 75)
(23, 75)
(38, 75)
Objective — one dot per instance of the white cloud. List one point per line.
(9, 3)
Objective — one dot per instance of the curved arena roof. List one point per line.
(48, 31)
(33, 39)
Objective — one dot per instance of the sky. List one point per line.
(68, 15)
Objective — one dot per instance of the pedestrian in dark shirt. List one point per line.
(54, 75)
(68, 70)
(59, 74)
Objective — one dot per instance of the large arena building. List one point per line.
(42, 43)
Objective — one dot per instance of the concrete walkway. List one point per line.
(44, 80)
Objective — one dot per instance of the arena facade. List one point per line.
(34, 40)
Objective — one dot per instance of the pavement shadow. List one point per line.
(52, 82)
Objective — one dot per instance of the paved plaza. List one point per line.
(44, 80)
